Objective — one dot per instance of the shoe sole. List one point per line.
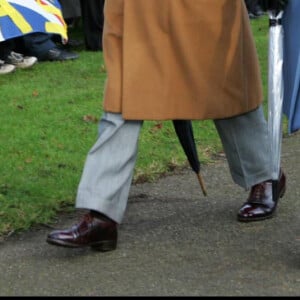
(102, 246)
(245, 220)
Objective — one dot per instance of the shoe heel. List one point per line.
(104, 246)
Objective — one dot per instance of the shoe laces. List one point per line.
(17, 57)
(258, 192)
(83, 225)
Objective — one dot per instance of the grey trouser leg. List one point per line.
(246, 144)
(109, 166)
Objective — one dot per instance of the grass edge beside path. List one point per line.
(49, 120)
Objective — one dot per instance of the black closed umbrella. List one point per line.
(184, 131)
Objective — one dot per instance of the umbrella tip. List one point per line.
(201, 181)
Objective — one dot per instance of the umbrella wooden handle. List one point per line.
(200, 179)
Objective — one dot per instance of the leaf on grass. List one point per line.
(35, 93)
(90, 118)
(60, 146)
(156, 127)
(102, 69)
(28, 160)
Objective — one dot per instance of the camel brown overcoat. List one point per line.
(179, 59)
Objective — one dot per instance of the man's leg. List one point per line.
(109, 167)
(104, 186)
(246, 144)
(5, 48)
(93, 22)
(41, 45)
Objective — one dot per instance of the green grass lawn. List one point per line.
(49, 120)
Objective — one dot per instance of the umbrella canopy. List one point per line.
(291, 66)
(184, 131)
(275, 88)
(20, 17)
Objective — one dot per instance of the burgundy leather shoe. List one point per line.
(93, 230)
(262, 201)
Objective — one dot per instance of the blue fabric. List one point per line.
(291, 65)
(38, 44)
(21, 17)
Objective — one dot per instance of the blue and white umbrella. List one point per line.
(20, 17)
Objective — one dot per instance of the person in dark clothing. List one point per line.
(10, 59)
(42, 46)
(93, 21)
(92, 16)
(254, 8)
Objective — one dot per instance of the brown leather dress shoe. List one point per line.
(93, 230)
(262, 201)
